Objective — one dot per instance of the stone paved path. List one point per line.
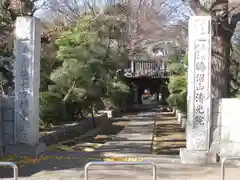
(134, 140)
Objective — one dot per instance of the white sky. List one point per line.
(180, 11)
(43, 13)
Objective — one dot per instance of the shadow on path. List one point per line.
(169, 137)
(53, 162)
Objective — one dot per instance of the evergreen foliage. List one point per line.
(91, 54)
(178, 83)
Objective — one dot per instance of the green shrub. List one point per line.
(176, 68)
(178, 89)
(185, 59)
(177, 84)
(182, 101)
(116, 96)
(52, 109)
(178, 100)
(172, 100)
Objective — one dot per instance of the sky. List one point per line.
(43, 13)
(181, 9)
(177, 7)
(40, 12)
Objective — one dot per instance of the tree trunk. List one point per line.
(221, 45)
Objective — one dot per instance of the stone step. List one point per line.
(163, 114)
(166, 118)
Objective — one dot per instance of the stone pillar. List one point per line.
(199, 92)
(132, 66)
(27, 82)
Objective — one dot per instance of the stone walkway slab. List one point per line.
(135, 138)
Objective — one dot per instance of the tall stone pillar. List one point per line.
(199, 92)
(27, 82)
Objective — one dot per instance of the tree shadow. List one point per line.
(169, 135)
(54, 161)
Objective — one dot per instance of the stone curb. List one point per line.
(181, 118)
(69, 131)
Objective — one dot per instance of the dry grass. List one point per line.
(169, 137)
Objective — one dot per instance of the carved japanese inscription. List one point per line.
(24, 94)
(27, 69)
(200, 67)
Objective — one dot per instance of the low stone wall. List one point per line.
(181, 117)
(69, 131)
(111, 113)
(230, 134)
(7, 118)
